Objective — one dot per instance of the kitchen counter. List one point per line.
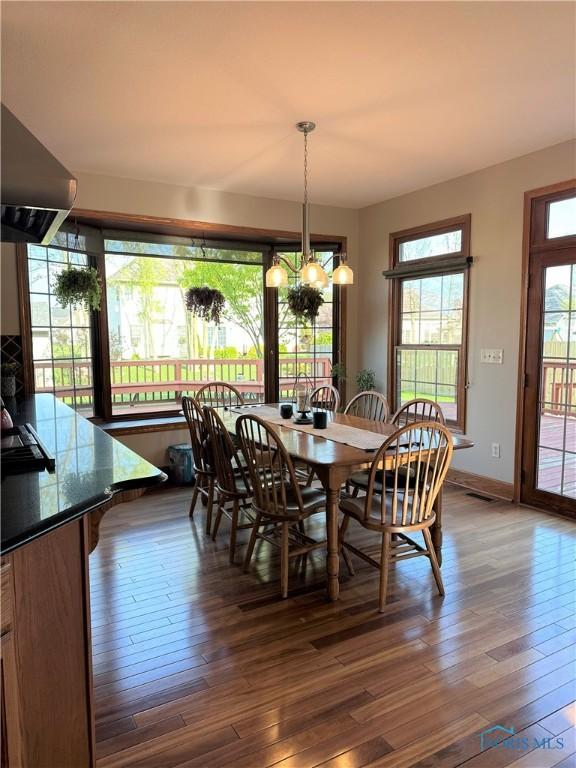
(49, 527)
(91, 467)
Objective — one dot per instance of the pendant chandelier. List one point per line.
(311, 271)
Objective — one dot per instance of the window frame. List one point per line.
(231, 236)
(534, 242)
(430, 266)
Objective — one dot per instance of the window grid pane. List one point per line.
(431, 316)
(556, 455)
(428, 246)
(158, 349)
(561, 218)
(61, 337)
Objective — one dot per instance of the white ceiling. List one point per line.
(206, 94)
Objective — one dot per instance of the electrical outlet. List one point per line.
(495, 450)
(493, 356)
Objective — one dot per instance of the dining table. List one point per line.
(334, 461)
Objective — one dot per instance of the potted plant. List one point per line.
(78, 286)
(9, 371)
(366, 380)
(338, 372)
(304, 302)
(206, 303)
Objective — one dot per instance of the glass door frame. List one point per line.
(539, 253)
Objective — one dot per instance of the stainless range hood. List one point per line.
(37, 191)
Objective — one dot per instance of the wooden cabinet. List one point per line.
(9, 689)
(47, 716)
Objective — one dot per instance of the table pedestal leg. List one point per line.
(436, 529)
(332, 557)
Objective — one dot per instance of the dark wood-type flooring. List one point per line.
(199, 665)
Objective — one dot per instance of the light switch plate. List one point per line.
(493, 356)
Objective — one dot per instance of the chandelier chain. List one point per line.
(305, 167)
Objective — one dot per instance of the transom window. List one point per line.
(429, 273)
(561, 218)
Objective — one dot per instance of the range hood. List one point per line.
(37, 191)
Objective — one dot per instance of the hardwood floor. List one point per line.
(199, 665)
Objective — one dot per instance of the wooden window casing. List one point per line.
(454, 262)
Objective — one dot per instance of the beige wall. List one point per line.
(494, 197)
(152, 445)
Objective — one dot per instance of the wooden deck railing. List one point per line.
(558, 387)
(164, 380)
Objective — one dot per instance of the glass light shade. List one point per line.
(322, 282)
(343, 275)
(276, 277)
(312, 272)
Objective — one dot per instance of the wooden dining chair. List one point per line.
(369, 405)
(204, 473)
(280, 504)
(232, 485)
(421, 453)
(412, 411)
(325, 396)
(219, 394)
(419, 409)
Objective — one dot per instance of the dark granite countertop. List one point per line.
(91, 467)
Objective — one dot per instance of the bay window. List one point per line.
(144, 350)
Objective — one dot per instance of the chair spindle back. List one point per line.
(419, 409)
(219, 394)
(369, 405)
(325, 396)
(422, 452)
(198, 433)
(227, 465)
(269, 465)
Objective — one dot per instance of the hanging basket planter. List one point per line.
(305, 302)
(206, 303)
(78, 286)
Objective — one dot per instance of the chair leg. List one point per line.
(310, 479)
(433, 561)
(384, 565)
(195, 493)
(220, 505)
(251, 543)
(342, 548)
(284, 561)
(209, 505)
(233, 529)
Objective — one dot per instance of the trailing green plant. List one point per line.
(305, 302)
(338, 371)
(78, 286)
(9, 369)
(365, 379)
(206, 303)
